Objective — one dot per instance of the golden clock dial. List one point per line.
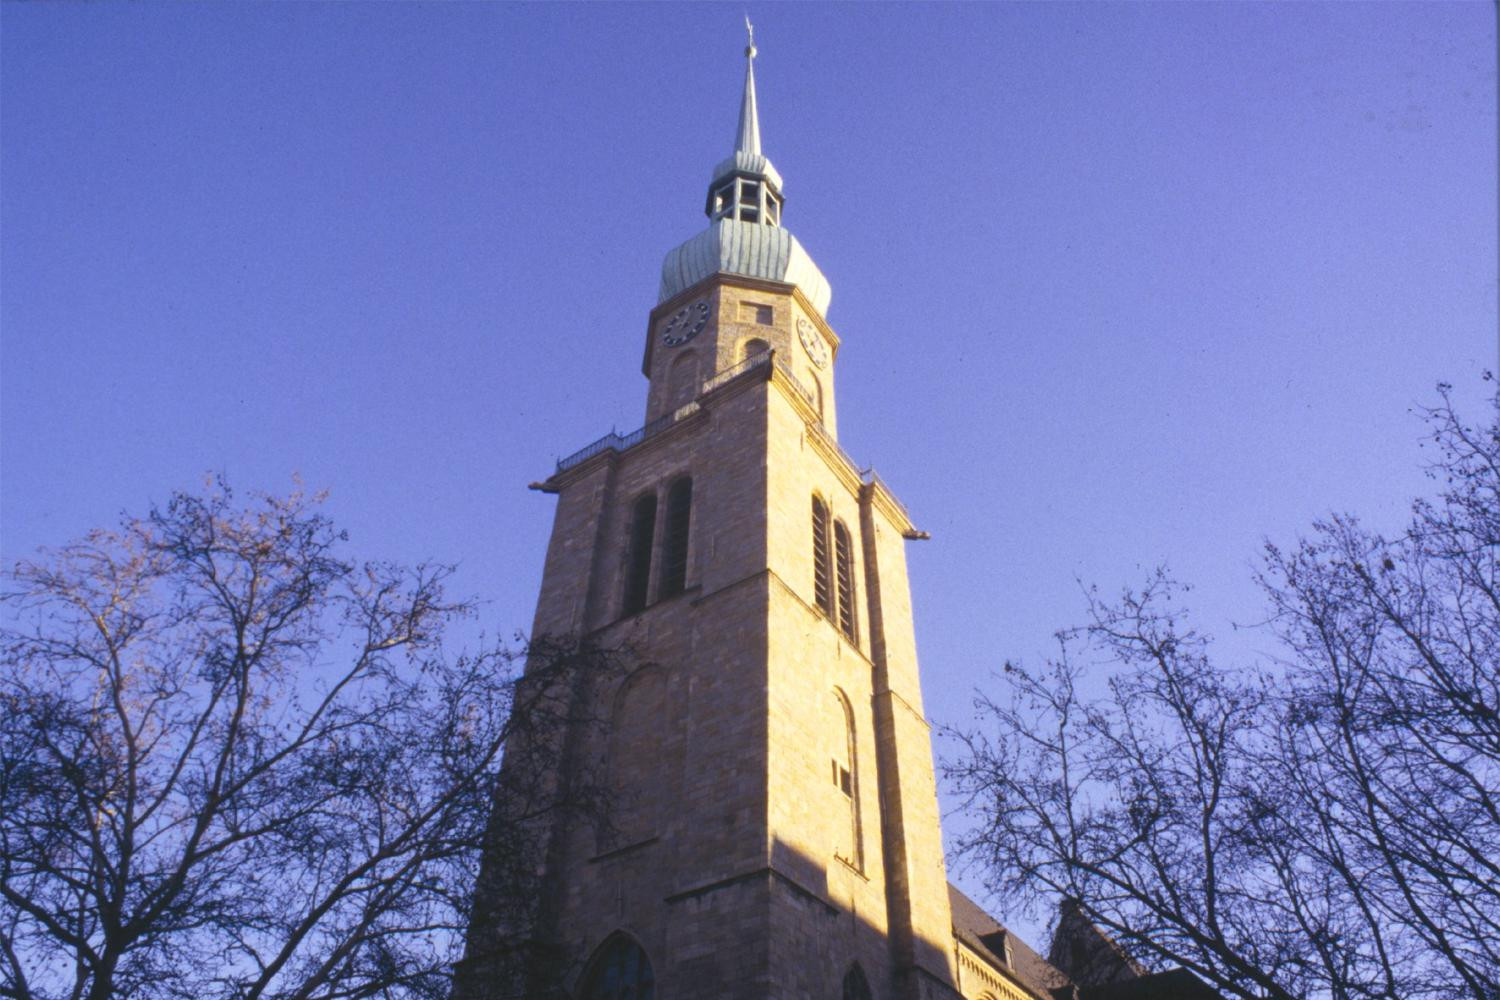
(812, 342)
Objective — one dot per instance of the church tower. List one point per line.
(773, 828)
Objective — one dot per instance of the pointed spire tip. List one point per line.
(748, 139)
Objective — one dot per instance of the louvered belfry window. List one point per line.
(675, 551)
(844, 572)
(822, 568)
(642, 535)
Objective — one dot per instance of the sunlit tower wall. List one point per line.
(772, 827)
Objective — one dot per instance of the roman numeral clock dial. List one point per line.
(685, 324)
(812, 343)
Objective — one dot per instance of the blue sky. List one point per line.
(1118, 285)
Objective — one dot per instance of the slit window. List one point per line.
(642, 535)
(675, 550)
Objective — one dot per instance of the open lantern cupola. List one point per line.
(745, 187)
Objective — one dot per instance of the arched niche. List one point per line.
(639, 727)
(753, 347)
(682, 380)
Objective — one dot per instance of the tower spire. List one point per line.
(748, 140)
(744, 235)
(745, 187)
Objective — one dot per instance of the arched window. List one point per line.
(620, 970)
(822, 561)
(753, 347)
(638, 553)
(843, 555)
(675, 549)
(682, 380)
(845, 772)
(856, 986)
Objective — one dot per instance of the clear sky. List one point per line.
(1118, 285)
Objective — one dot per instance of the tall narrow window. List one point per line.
(845, 774)
(638, 571)
(844, 573)
(822, 570)
(675, 551)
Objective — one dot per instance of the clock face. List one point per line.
(812, 343)
(685, 324)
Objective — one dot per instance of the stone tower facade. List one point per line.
(773, 827)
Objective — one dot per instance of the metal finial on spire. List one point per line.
(748, 140)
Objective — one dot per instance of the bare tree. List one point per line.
(235, 764)
(1324, 825)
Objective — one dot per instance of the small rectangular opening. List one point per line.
(755, 312)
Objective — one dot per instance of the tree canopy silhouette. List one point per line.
(234, 763)
(1324, 825)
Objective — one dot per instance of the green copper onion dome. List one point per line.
(744, 208)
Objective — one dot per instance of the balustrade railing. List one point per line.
(871, 477)
(734, 371)
(620, 442)
(827, 439)
(796, 382)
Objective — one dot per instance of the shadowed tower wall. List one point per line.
(772, 828)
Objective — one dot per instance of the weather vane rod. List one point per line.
(750, 30)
